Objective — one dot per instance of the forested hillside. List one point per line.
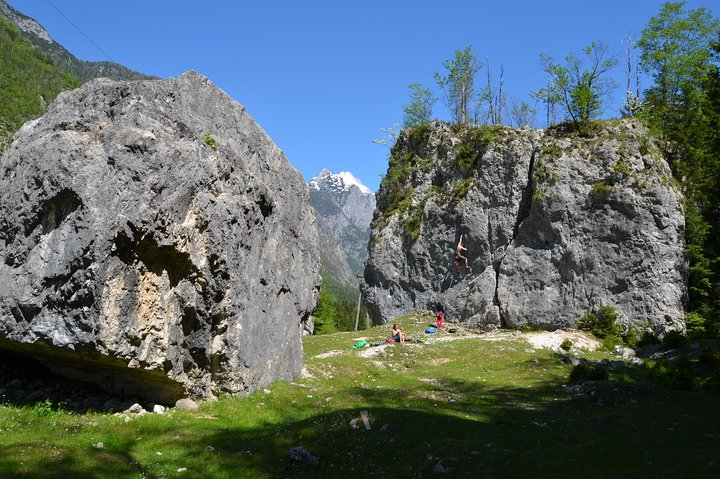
(63, 59)
(29, 81)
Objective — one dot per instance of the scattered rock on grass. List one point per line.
(439, 468)
(134, 409)
(186, 404)
(299, 454)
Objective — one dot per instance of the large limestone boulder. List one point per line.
(154, 240)
(556, 224)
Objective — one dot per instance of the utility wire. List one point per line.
(78, 29)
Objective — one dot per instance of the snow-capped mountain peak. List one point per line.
(350, 180)
(342, 181)
(345, 209)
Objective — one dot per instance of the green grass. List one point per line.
(484, 408)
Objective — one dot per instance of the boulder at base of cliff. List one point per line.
(154, 240)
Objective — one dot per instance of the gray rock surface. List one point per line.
(154, 240)
(555, 225)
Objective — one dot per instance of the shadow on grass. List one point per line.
(545, 431)
(446, 427)
(40, 461)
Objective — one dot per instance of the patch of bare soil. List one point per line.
(541, 339)
(371, 351)
(553, 340)
(439, 361)
(330, 354)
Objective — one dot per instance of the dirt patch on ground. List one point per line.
(379, 364)
(369, 352)
(329, 354)
(547, 339)
(439, 361)
(553, 340)
(432, 381)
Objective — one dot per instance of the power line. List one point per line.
(78, 29)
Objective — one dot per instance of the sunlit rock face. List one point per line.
(555, 224)
(154, 240)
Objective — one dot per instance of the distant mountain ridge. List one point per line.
(345, 208)
(63, 59)
(29, 81)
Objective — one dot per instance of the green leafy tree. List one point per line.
(580, 84)
(603, 324)
(419, 110)
(675, 48)
(550, 95)
(521, 114)
(678, 48)
(458, 84)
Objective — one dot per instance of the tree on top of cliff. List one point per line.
(419, 110)
(458, 84)
(579, 87)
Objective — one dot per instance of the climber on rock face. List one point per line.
(458, 253)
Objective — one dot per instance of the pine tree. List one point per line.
(325, 313)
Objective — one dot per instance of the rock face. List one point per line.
(345, 208)
(154, 240)
(555, 225)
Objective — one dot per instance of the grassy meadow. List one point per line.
(477, 406)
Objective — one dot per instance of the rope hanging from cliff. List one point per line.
(78, 29)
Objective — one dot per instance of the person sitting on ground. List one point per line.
(458, 253)
(397, 335)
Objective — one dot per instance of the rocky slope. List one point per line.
(345, 207)
(555, 224)
(155, 241)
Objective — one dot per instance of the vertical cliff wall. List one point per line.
(555, 224)
(153, 239)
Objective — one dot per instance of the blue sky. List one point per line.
(322, 77)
